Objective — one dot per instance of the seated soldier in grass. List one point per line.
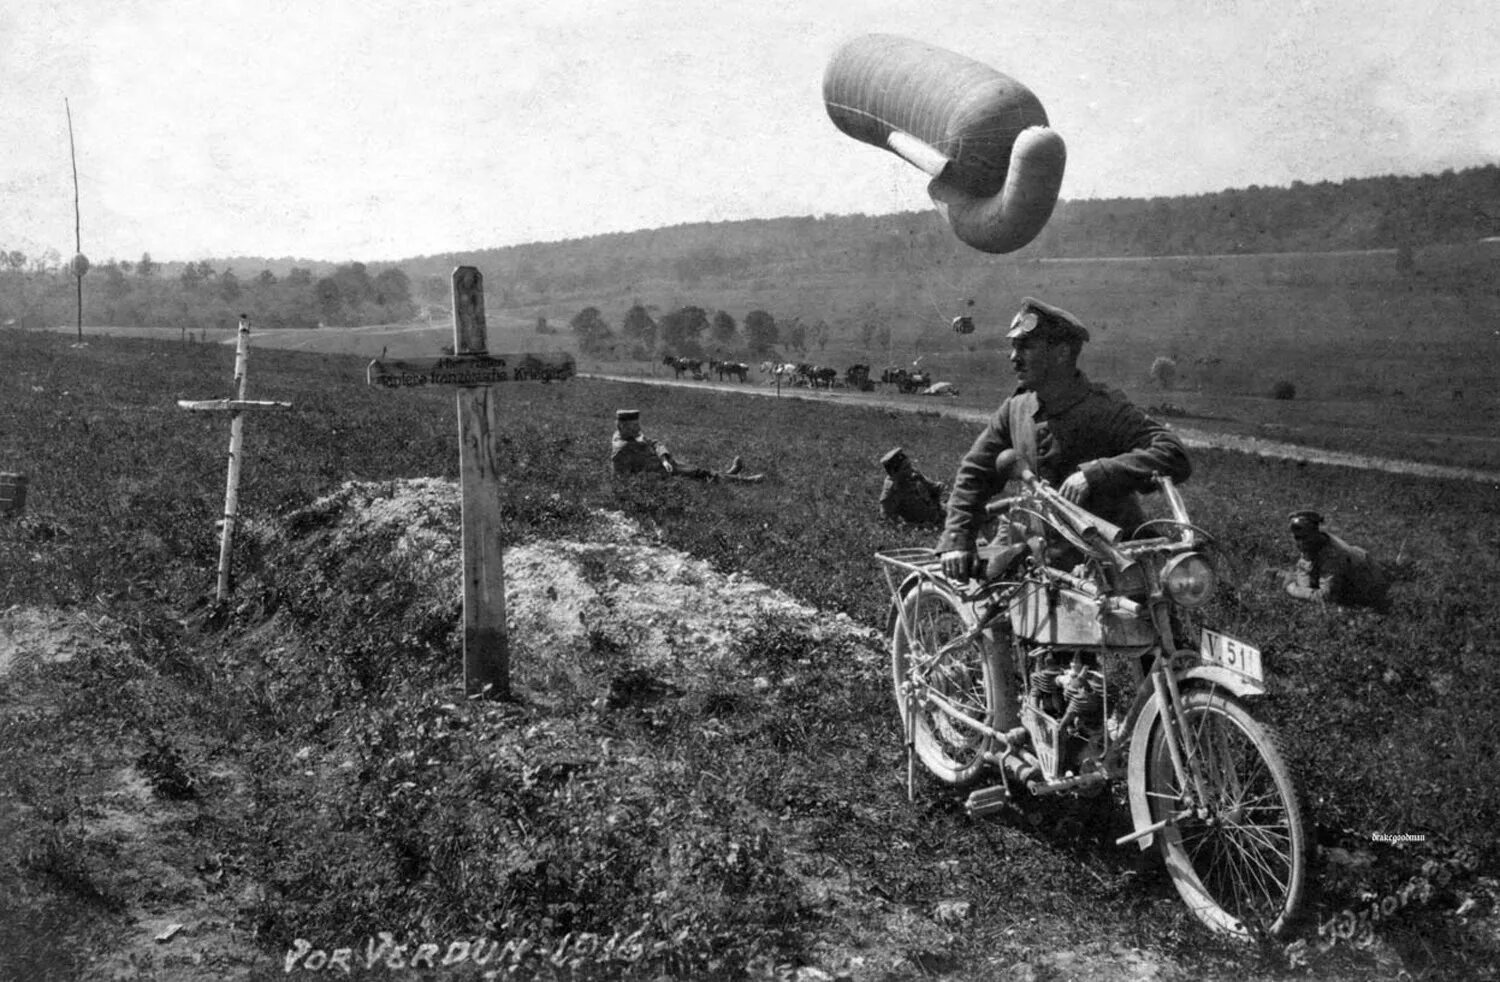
(908, 495)
(1332, 569)
(631, 452)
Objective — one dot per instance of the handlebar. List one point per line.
(1091, 533)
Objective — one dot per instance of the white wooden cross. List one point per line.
(235, 407)
(474, 370)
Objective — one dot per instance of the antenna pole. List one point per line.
(79, 263)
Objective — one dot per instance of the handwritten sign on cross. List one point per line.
(236, 408)
(475, 371)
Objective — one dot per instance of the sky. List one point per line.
(381, 130)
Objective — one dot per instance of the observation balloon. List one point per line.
(983, 137)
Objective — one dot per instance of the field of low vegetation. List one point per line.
(694, 807)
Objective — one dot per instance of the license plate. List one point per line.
(1237, 656)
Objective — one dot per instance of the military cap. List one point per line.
(1305, 521)
(1042, 320)
(890, 460)
(623, 415)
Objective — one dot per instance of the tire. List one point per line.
(1243, 871)
(935, 616)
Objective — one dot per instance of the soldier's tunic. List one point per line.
(1341, 573)
(1091, 428)
(636, 456)
(912, 497)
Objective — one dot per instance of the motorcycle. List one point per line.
(1068, 668)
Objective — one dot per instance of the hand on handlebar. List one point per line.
(958, 565)
(1075, 488)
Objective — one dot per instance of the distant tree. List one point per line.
(723, 328)
(14, 260)
(591, 330)
(637, 323)
(1164, 372)
(354, 284)
(229, 286)
(146, 268)
(265, 280)
(115, 284)
(190, 277)
(392, 287)
(760, 331)
(682, 330)
(1283, 390)
(298, 276)
(329, 301)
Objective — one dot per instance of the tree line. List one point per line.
(40, 290)
(690, 331)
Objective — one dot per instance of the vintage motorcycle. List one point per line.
(1075, 679)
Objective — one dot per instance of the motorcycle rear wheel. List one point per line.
(1242, 870)
(928, 654)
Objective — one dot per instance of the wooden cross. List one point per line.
(235, 407)
(474, 370)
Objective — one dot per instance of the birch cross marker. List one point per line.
(474, 370)
(235, 407)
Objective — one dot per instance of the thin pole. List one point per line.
(236, 438)
(77, 218)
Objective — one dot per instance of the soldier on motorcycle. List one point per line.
(1087, 440)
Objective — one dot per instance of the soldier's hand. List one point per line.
(1075, 488)
(958, 565)
(668, 463)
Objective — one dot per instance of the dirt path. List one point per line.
(1191, 437)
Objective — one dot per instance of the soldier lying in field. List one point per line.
(1332, 569)
(631, 452)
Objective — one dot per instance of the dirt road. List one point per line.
(1190, 437)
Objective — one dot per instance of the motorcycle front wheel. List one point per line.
(1240, 864)
(929, 653)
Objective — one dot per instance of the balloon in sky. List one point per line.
(983, 137)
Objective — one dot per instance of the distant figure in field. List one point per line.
(908, 495)
(632, 453)
(1332, 569)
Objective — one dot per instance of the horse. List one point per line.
(680, 365)
(781, 372)
(737, 369)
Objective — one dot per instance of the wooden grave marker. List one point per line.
(236, 408)
(475, 371)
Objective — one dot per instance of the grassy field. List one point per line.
(801, 844)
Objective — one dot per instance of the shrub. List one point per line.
(1164, 372)
(1283, 390)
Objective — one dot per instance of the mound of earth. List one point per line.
(613, 577)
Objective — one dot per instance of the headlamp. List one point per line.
(1189, 579)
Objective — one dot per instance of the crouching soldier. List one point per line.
(1332, 569)
(908, 495)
